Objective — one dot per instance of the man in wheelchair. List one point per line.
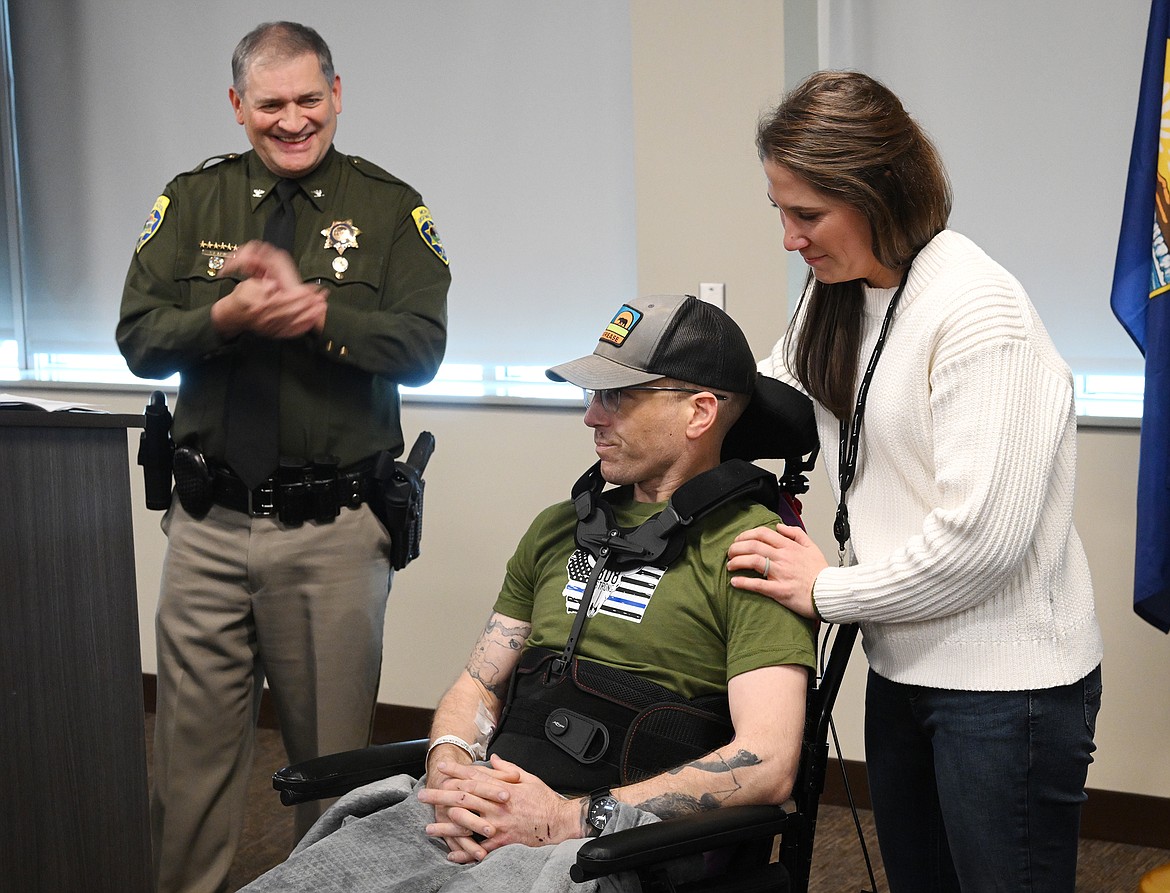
(620, 678)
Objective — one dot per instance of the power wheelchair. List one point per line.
(743, 835)
(740, 839)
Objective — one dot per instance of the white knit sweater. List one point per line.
(968, 572)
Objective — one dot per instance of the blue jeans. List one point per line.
(979, 791)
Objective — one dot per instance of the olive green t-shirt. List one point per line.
(684, 627)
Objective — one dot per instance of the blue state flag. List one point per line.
(1141, 301)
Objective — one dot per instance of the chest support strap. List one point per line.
(660, 539)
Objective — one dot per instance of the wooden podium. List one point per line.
(72, 745)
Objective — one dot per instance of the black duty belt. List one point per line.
(305, 493)
(310, 500)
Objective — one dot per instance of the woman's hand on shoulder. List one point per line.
(784, 561)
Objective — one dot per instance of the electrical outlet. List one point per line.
(712, 293)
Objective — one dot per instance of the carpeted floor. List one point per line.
(839, 867)
(838, 864)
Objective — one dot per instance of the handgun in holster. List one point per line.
(397, 499)
(156, 450)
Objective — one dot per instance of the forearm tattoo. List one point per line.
(723, 784)
(497, 636)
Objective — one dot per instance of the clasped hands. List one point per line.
(273, 301)
(480, 808)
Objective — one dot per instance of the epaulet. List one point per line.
(369, 169)
(214, 160)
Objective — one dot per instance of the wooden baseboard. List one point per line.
(392, 722)
(1121, 817)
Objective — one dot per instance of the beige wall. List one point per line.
(496, 466)
(703, 72)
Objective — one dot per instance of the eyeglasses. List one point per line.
(611, 398)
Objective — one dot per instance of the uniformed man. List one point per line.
(294, 288)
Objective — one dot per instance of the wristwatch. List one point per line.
(601, 808)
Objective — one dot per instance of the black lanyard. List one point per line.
(851, 432)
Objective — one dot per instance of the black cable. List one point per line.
(845, 780)
(853, 810)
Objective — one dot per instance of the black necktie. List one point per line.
(252, 415)
(281, 227)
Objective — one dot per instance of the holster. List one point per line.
(155, 449)
(193, 481)
(397, 499)
(597, 726)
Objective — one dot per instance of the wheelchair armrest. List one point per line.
(339, 773)
(669, 839)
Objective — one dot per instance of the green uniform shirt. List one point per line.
(387, 318)
(686, 628)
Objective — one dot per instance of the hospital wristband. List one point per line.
(452, 739)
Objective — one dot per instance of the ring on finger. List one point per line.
(767, 565)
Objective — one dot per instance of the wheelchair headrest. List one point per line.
(777, 424)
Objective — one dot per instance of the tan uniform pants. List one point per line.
(244, 599)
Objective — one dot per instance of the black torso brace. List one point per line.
(581, 725)
(598, 726)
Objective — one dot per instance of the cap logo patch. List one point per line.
(621, 325)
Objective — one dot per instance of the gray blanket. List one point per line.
(372, 841)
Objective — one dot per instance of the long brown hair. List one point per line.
(849, 137)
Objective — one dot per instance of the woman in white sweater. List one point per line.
(948, 430)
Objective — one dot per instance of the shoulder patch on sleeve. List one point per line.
(428, 231)
(153, 221)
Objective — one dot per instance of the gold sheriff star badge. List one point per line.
(341, 234)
